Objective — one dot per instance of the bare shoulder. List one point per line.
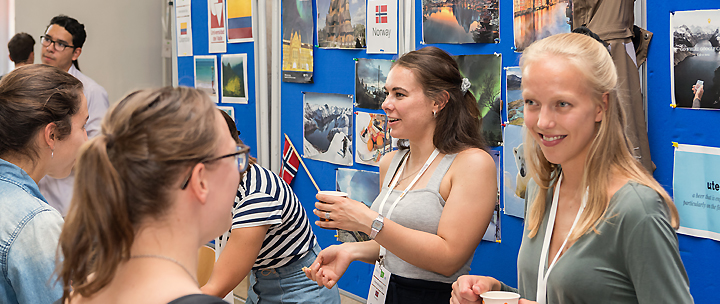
(473, 159)
(386, 159)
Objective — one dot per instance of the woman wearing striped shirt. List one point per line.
(271, 238)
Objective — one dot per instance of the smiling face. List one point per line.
(65, 151)
(560, 112)
(62, 60)
(409, 110)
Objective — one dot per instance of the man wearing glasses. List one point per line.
(61, 46)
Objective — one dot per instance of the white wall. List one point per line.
(122, 50)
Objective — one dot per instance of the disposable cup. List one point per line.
(500, 297)
(333, 193)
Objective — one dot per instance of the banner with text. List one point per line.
(216, 26)
(382, 24)
(696, 187)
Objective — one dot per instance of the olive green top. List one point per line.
(633, 259)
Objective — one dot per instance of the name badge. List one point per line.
(378, 285)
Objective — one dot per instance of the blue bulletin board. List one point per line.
(334, 72)
(245, 118)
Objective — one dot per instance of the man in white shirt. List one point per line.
(61, 47)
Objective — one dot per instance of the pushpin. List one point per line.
(673, 105)
(513, 48)
(355, 59)
(675, 144)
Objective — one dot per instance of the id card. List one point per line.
(378, 285)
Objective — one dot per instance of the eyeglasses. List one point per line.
(59, 45)
(241, 158)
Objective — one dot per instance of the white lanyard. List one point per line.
(394, 183)
(542, 275)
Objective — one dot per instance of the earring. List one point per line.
(434, 114)
(52, 154)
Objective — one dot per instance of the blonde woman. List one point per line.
(599, 228)
(158, 183)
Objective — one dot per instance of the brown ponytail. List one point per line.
(149, 141)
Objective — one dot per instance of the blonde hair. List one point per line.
(149, 141)
(609, 151)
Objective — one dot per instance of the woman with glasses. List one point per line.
(42, 126)
(149, 191)
(271, 239)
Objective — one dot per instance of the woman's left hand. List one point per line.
(343, 213)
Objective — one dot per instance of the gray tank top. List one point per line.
(420, 209)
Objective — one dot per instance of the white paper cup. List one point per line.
(333, 193)
(500, 297)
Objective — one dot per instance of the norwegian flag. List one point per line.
(290, 162)
(381, 14)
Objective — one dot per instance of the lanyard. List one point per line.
(394, 183)
(542, 275)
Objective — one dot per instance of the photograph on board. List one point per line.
(239, 21)
(492, 233)
(485, 73)
(206, 75)
(695, 59)
(460, 21)
(370, 77)
(341, 24)
(373, 138)
(229, 110)
(327, 127)
(515, 172)
(362, 186)
(234, 78)
(513, 94)
(297, 44)
(535, 20)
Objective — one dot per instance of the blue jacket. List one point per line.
(29, 234)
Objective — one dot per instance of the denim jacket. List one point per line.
(29, 234)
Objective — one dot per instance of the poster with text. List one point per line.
(696, 190)
(513, 92)
(341, 24)
(234, 78)
(206, 75)
(382, 24)
(372, 138)
(216, 26)
(370, 77)
(239, 21)
(297, 44)
(461, 21)
(535, 20)
(695, 59)
(492, 234)
(515, 172)
(183, 26)
(327, 127)
(485, 75)
(362, 186)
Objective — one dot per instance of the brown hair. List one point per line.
(236, 135)
(458, 123)
(31, 97)
(20, 47)
(149, 140)
(610, 149)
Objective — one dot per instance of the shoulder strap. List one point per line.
(197, 299)
(442, 168)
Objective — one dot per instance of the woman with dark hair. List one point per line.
(438, 192)
(42, 118)
(149, 192)
(271, 239)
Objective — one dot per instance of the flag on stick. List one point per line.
(290, 163)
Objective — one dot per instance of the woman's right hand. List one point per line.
(467, 288)
(329, 265)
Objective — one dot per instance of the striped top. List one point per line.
(263, 198)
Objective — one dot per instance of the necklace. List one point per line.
(156, 256)
(409, 175)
